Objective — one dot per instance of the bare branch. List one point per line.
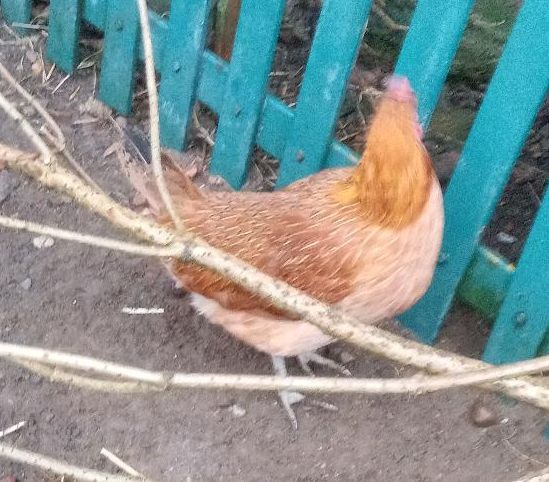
(61, 468)
(154, 121)
(154, 381)
(120, 463)
(59, 136)
(27, 128)
(97, 241)
(538, 476)
(329, 319)
(58, 375)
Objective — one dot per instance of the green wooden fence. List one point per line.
(302, 137)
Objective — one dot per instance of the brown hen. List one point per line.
(364, 238)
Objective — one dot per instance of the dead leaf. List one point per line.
(109, 151)
(96, 109)
(36, 68)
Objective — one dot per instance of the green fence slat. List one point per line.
(17, 11)
(510, 105)
(335, 47)
(119, 55)
(523, 319)
(276, 117)
(430, 47)
(188, 27)
(486, 282)
(245, 90)
(95, 12)
(63, 33)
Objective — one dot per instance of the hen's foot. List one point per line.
(311, 357)
(287, 398)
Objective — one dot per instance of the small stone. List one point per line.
(41, 242)
(482, 416)
(26, 284)
(237, 410)
(505, 238)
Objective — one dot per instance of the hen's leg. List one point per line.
(311, 357)
(286, 397)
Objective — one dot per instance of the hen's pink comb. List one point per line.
(399, 89)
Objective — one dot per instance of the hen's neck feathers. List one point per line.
(393, 180)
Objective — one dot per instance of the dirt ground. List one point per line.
(73, 302)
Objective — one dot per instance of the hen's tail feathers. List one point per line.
(134, 155)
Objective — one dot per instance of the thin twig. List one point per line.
(60, 137)
(58, 375)
(538, 476)
(61, 82)
(57, 138)
(97, 241)
(154, 120)
(61, 468)
(120, 463)
(70, 159)
(160, 380)
(12, 429)
(202, 131)
(27, 128)
(329, 319)
(29, 26)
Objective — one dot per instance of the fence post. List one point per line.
(17, 11)
(187, 31)
(430, 47)
(245, 90)
(119, 55)
(333, 54)
(63, 33)
(524, 316)
(510, 105)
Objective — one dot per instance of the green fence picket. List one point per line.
(335, 47)
(17, 11)
(510, 105)
(187, 30)
(119, 55)
(63, 33)
(523, 319)
(245, 89)
(430, 47)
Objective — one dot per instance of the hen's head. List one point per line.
(393, 179)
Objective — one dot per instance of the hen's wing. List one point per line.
(301, 248)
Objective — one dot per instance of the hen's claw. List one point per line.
(287, 398)
(311, 357)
